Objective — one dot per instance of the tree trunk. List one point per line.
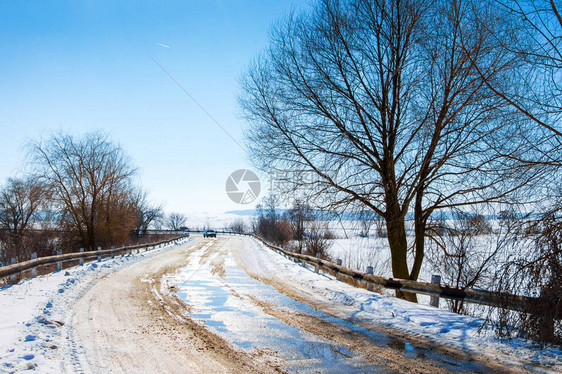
(398, 246)
(395, 225)
(419, 241)
(91, 235)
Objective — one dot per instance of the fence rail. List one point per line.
(17, 268)
(484, 297)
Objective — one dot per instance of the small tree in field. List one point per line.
(269, 223)
(175, 221)
(298, 216)
(317, 240)
(533, 267)
(147, 213)
(465, 251)
(366, 220)
(238, 226)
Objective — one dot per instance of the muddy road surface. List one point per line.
(195, 309)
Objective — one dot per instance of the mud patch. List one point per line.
(375, 347)
(217, 265)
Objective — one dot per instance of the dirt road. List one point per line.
(130, 322)
(125, 324)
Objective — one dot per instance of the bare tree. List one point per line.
(380, 227)
(20, 202)
(147, 213)
(238, 226)
(317, 240)
(533, 267)
(175, 221)
(298, 216)
(91, 181)
(381, 100)
(465, 251)
(366, 220)
(269, 223)
(534, 264)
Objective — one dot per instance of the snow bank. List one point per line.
(32, 313)
(370, 309)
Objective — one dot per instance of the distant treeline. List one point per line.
(362, 215)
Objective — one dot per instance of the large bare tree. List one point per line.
(91, 180)
(382, 101)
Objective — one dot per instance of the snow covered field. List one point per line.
(32, 313)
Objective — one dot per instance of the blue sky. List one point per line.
(79, 66)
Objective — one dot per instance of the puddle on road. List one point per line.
(222, 303)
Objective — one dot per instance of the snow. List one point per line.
(33, 311)
(371, 309)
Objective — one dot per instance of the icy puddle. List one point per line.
(242, 310)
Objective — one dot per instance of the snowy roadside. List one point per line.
(366, 308)
(32, 312)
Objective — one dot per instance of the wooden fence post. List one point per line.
(369, 284)
(317, 268)
(122, 250)
(59, 263)
(33, 270)
(434, 301)
(81, 258)
(338, 275)
(99, 254)
(14, 277)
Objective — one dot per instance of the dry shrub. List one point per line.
(316, 243)
(535, 271)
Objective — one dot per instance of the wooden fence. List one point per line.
(17, 268)
(472, 295)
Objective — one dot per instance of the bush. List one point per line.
(536, 271)
(315, 242)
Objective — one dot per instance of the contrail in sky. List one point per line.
(163, 45)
